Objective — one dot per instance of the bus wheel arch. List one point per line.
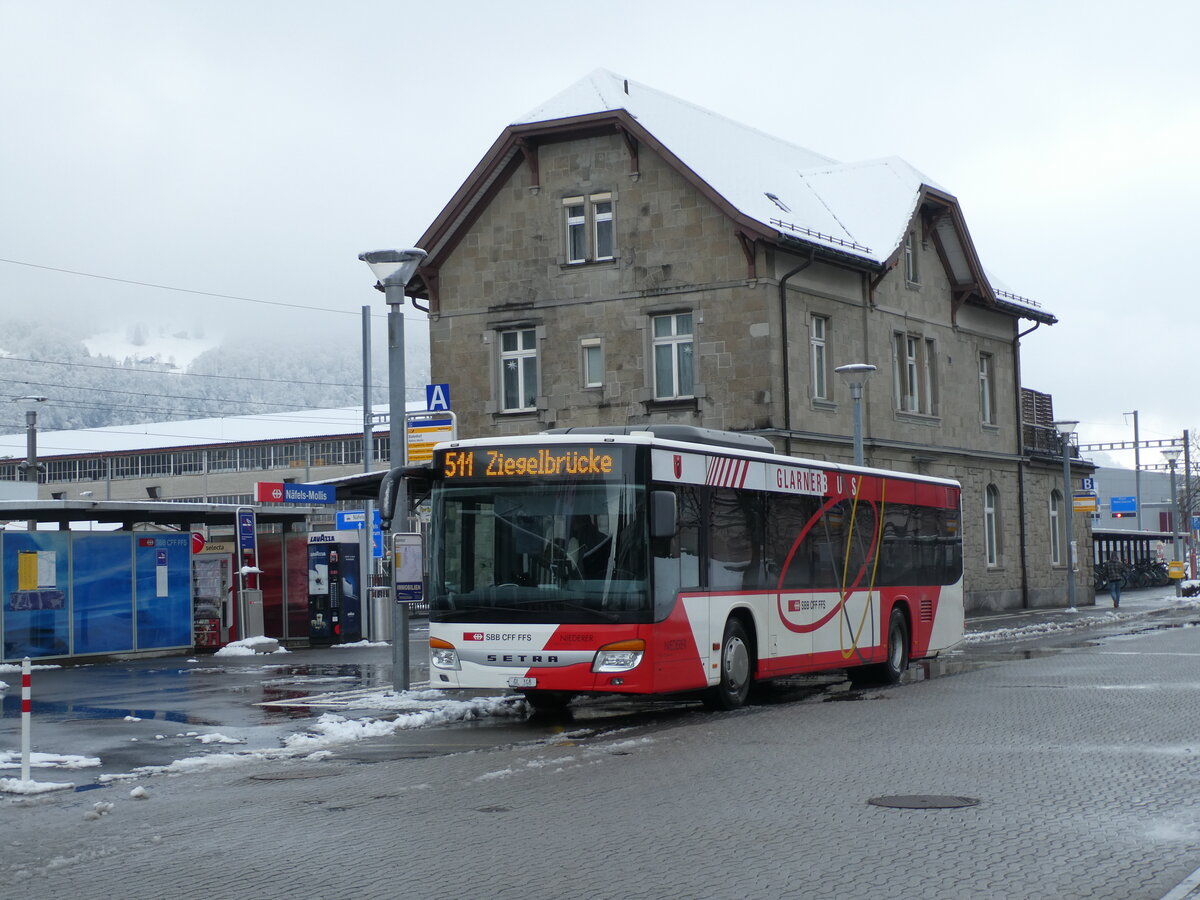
(897, 652)
(736, 663)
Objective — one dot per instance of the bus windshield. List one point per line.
(540, 552)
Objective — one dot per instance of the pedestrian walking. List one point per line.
(1114, 573)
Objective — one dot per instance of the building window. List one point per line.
(1055, 526)
(576, 231)
(987, 400)
(991, 525)
(589, 222)
(910, 259)
(673, 374)
(915, 374)
(593, 362)
(602, 219)
(817, 336)
(518, 367)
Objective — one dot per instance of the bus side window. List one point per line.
(733, 540)
(677, 558)
(789, 565)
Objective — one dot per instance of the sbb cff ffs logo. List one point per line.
(473, 636)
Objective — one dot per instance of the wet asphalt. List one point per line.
(149, 712)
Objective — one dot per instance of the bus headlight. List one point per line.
(442, 654)
(619, 657)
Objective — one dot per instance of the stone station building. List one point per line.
(621, 257)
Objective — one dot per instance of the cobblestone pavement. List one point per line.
(1085, 762)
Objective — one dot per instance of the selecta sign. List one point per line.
(285, 492)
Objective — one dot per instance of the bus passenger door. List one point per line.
(789, 641)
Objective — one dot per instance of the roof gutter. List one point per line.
(787, 368)
(1021, 460)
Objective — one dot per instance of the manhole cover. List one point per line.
(924, 801)
(290, 776)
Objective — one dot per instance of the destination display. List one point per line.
(500, 463)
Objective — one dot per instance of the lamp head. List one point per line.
(855, 373)
(1065, 426)
(393, 268)
(1171, 454)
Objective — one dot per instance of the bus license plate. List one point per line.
(522, 682)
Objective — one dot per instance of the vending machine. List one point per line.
(214, 588)
(335, 588)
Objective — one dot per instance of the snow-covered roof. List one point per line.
(775, 189)
(859, 208)
(305, 423)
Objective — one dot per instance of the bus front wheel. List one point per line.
(737, 664)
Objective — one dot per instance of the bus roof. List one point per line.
(643, 436)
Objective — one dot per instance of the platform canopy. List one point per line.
(128, 513)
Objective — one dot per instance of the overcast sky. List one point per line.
(255, 148)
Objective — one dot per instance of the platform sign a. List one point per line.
(437, 397)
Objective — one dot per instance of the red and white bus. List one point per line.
(677, 559)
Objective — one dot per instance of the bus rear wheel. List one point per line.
(737, 664)
(893, 669)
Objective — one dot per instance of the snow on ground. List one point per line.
(1071, 621)
(11, 759)
(15, 668)
(416, 709)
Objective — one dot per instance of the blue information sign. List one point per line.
(309, 493)
(1124, 504)
(354, 519)
(247, 539)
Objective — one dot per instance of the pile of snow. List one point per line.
(17, 786)
(250, 646)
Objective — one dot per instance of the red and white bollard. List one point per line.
(26, 704)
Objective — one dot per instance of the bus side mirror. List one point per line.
(388, 496)
(663, 514)
(419, 481)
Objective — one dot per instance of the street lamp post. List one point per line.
(393, 270)
(1171, 455)
(855, 375)
(1065, 430)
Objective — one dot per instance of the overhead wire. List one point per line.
(199, 293)
(175, 411)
